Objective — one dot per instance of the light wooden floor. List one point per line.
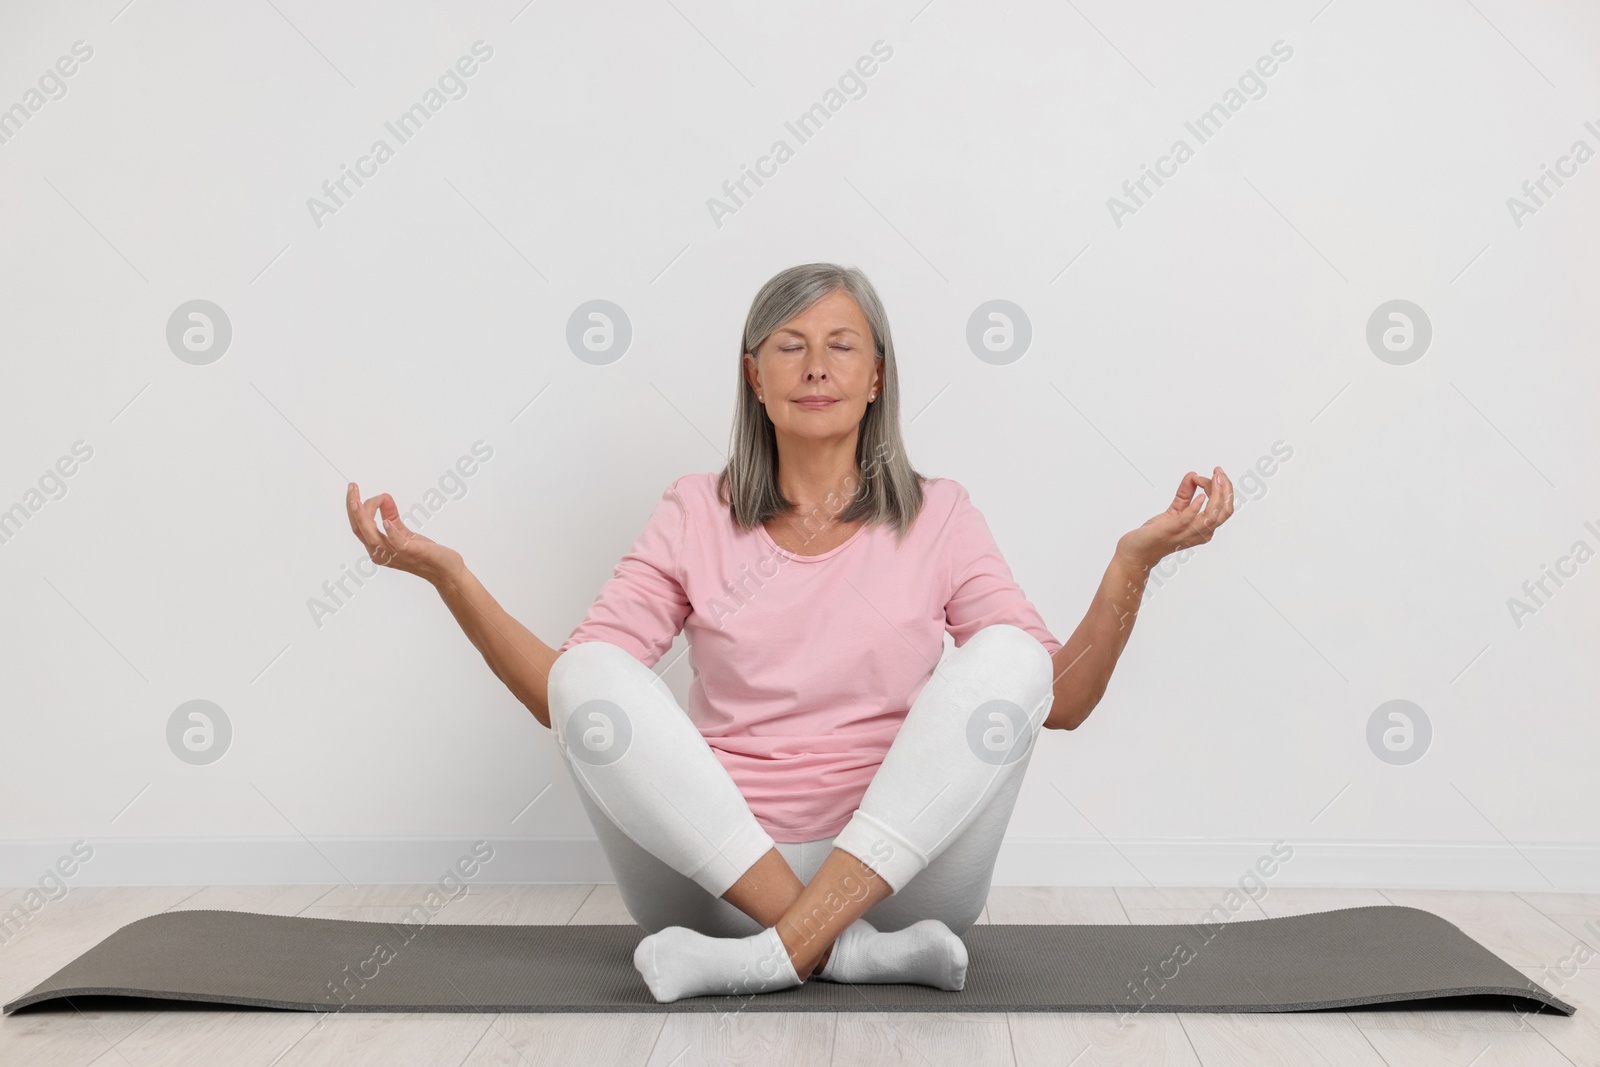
(1534, 932)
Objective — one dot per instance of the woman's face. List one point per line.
(825, 351)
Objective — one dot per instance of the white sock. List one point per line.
(925, 953)
(678, 962)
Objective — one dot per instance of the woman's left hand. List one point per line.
(1184, 523)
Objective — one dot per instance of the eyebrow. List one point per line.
(831, 333)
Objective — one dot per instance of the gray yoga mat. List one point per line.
(1330, 959)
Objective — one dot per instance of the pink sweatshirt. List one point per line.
(805, 666)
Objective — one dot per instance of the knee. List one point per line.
(1015, 671)
(1013, 652)
(582, 670)
(583, 674)
(1012, 645)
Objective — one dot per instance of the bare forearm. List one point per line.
(517, 657)
(1083, 665)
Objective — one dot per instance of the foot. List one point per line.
(925, 953)
(678, 962)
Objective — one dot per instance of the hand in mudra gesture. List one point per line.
(394, 545)
(1190, 520)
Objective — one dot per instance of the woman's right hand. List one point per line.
(395, 545)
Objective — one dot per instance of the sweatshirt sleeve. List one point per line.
(642, 606)
(983, 591)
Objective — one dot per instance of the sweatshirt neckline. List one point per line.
(834, 551)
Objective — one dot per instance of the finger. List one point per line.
(1190, 516)
(352, 504)
(378, 546)
(394, 527)
(1184, 519)
(1225, 488)
(1185, 492)
(1215, 505)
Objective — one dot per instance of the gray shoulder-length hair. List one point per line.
(889, 490)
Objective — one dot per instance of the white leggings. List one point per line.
(678, 833)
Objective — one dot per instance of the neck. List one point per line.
(821, 477)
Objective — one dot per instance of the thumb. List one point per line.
(394, 526)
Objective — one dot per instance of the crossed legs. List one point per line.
(689, 856)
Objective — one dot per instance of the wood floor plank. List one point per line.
(524, 1040)
(1576, 1036)
(553, 904)
(1504, 1019)
(1564, 903)
(1097, 905)
(779, 1039)
(53, 936)
(603, 907)
(384, 1039)
(921, 1039)
(1100, 1039)
(1327, 1039)
(1452, 1048)
(1299, 900)
(1585, 931)
(262, 899)
(202, 1037)
(1159, 896)
(67, 1036)
(399, 895)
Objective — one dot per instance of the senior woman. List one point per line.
(832, 800)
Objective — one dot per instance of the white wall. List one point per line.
(1225, 315)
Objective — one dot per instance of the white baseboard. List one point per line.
(1534, 868)
(1530, 868)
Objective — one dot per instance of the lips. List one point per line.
(815, 401)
